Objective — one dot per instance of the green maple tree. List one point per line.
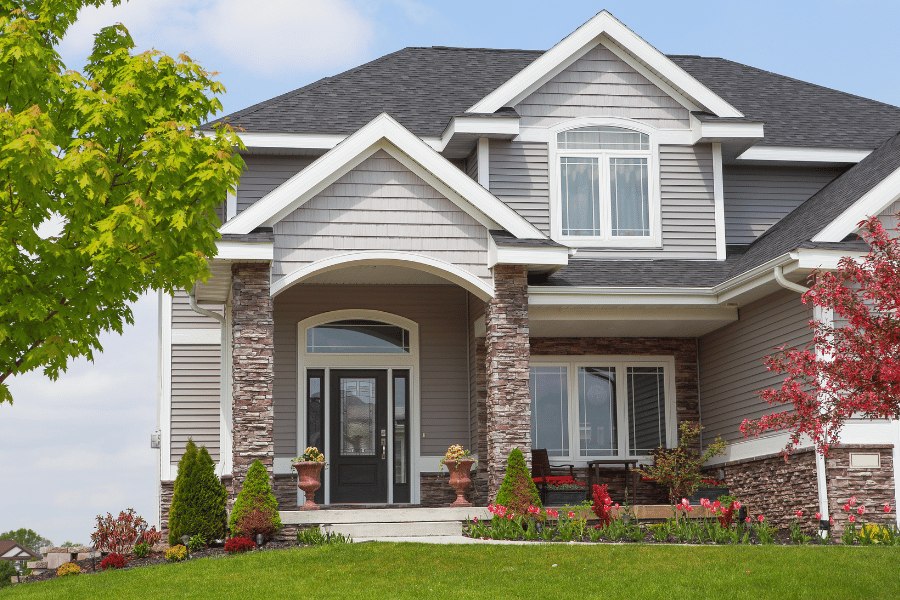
(114, 155)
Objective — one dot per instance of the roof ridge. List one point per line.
(477, 48)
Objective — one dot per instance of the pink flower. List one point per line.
(552, 513)
(571, 515)
(799, 513)
(847, 507)
(704, 502)
(716, 504)
(607, 501)
(818, 516)
(616, 506)
(853, 518)
(685, 501)
(852, 500)
(690, 508)
(715, 509)
(760, 518)
(476, 519)
(736, 505)
(861, 510)
(887, 508)
(831, 520)
(509, 517)
(747, 519)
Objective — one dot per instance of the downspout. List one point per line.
(192, 296)
(821, 479)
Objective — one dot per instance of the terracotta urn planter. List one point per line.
(308, 474)
(459, 479)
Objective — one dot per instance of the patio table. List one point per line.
(627, 463)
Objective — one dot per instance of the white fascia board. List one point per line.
(506, 255)
(584, 38)
(255, 251)
(592, 296)
(713, 132)
(304, 141)
(800, 154)
(674, 137)
(810, 258)
(480, 126)
(871, 203)
(304, 185)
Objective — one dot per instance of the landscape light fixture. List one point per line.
(93, 556)
(18, 565)
(259, 540)
(184, 540)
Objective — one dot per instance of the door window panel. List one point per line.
(597, 411)
(358, 418)
(646, 409)
(550, 410)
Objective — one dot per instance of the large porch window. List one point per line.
(585, 408)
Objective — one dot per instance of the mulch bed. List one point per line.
(155, 558)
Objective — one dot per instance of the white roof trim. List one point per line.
(505, 127)
(817, 258)
(717, 132)
(256, 251)
(428, 264)
(301, 141)
(293, 193)
(801, 154)
(586, 37)
(871, 203)
(516, 255)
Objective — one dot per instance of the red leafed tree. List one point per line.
(849, 370)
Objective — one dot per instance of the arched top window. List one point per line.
(602, 137)
(357, 336)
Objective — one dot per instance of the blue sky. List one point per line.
(79, 446)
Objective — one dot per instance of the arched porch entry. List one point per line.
(382, 351)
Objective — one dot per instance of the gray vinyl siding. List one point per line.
(196, 377)
(888, 217)
(758, 197)
(380, 205)
(440, 312)
(731, 362)
(470, 165)
(687, 207)
(519, 176)
(184, 317)
(265, 172)
(601, 84)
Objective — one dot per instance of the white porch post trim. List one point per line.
(484, 163)
(719, 197)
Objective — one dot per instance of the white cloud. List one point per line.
(267, 36)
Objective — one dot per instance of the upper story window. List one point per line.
(357, 336)
(606, 183)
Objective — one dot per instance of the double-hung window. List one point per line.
(606, 186)
(594, 407)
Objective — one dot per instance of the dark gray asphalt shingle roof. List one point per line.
(640, 273)
(507, 240)
(424, 87)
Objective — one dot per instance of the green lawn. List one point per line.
(373, 571)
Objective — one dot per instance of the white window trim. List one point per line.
(654, 240)
(407, 362)
(572, 363)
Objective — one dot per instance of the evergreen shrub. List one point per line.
(518, 492)
(198, 504)
(256, 495)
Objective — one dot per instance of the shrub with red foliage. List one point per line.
(120, 534)
(258, 520)
(239, 544)
(113, 561)
(602, 505)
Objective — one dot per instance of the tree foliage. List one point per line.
(852, 368)
(113, 154)
(198, 503)
(517, 492)
(28, 538)
(679, 468)
(255, 495)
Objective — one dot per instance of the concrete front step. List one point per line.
(327, 516)
(397, 530)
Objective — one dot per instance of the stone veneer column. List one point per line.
(252, 331)
(508, 405)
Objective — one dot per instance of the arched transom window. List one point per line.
(605, 184)
(357, 336)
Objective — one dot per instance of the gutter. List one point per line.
(821, 476)
(192, 296)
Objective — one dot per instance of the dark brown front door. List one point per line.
(359, 465)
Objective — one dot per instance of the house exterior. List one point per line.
(575, 250)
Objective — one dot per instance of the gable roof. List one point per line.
(383, 132)
(23, 551)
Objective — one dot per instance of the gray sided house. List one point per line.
(572, 250)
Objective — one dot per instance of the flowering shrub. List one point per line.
(709, 482)
(562, 483)
(120, 534)
(679, 468)
(176, 553)
(847, 371)
(602, 506)
(67, 569)
(113, 561)
(239, 544)
(311, 454)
